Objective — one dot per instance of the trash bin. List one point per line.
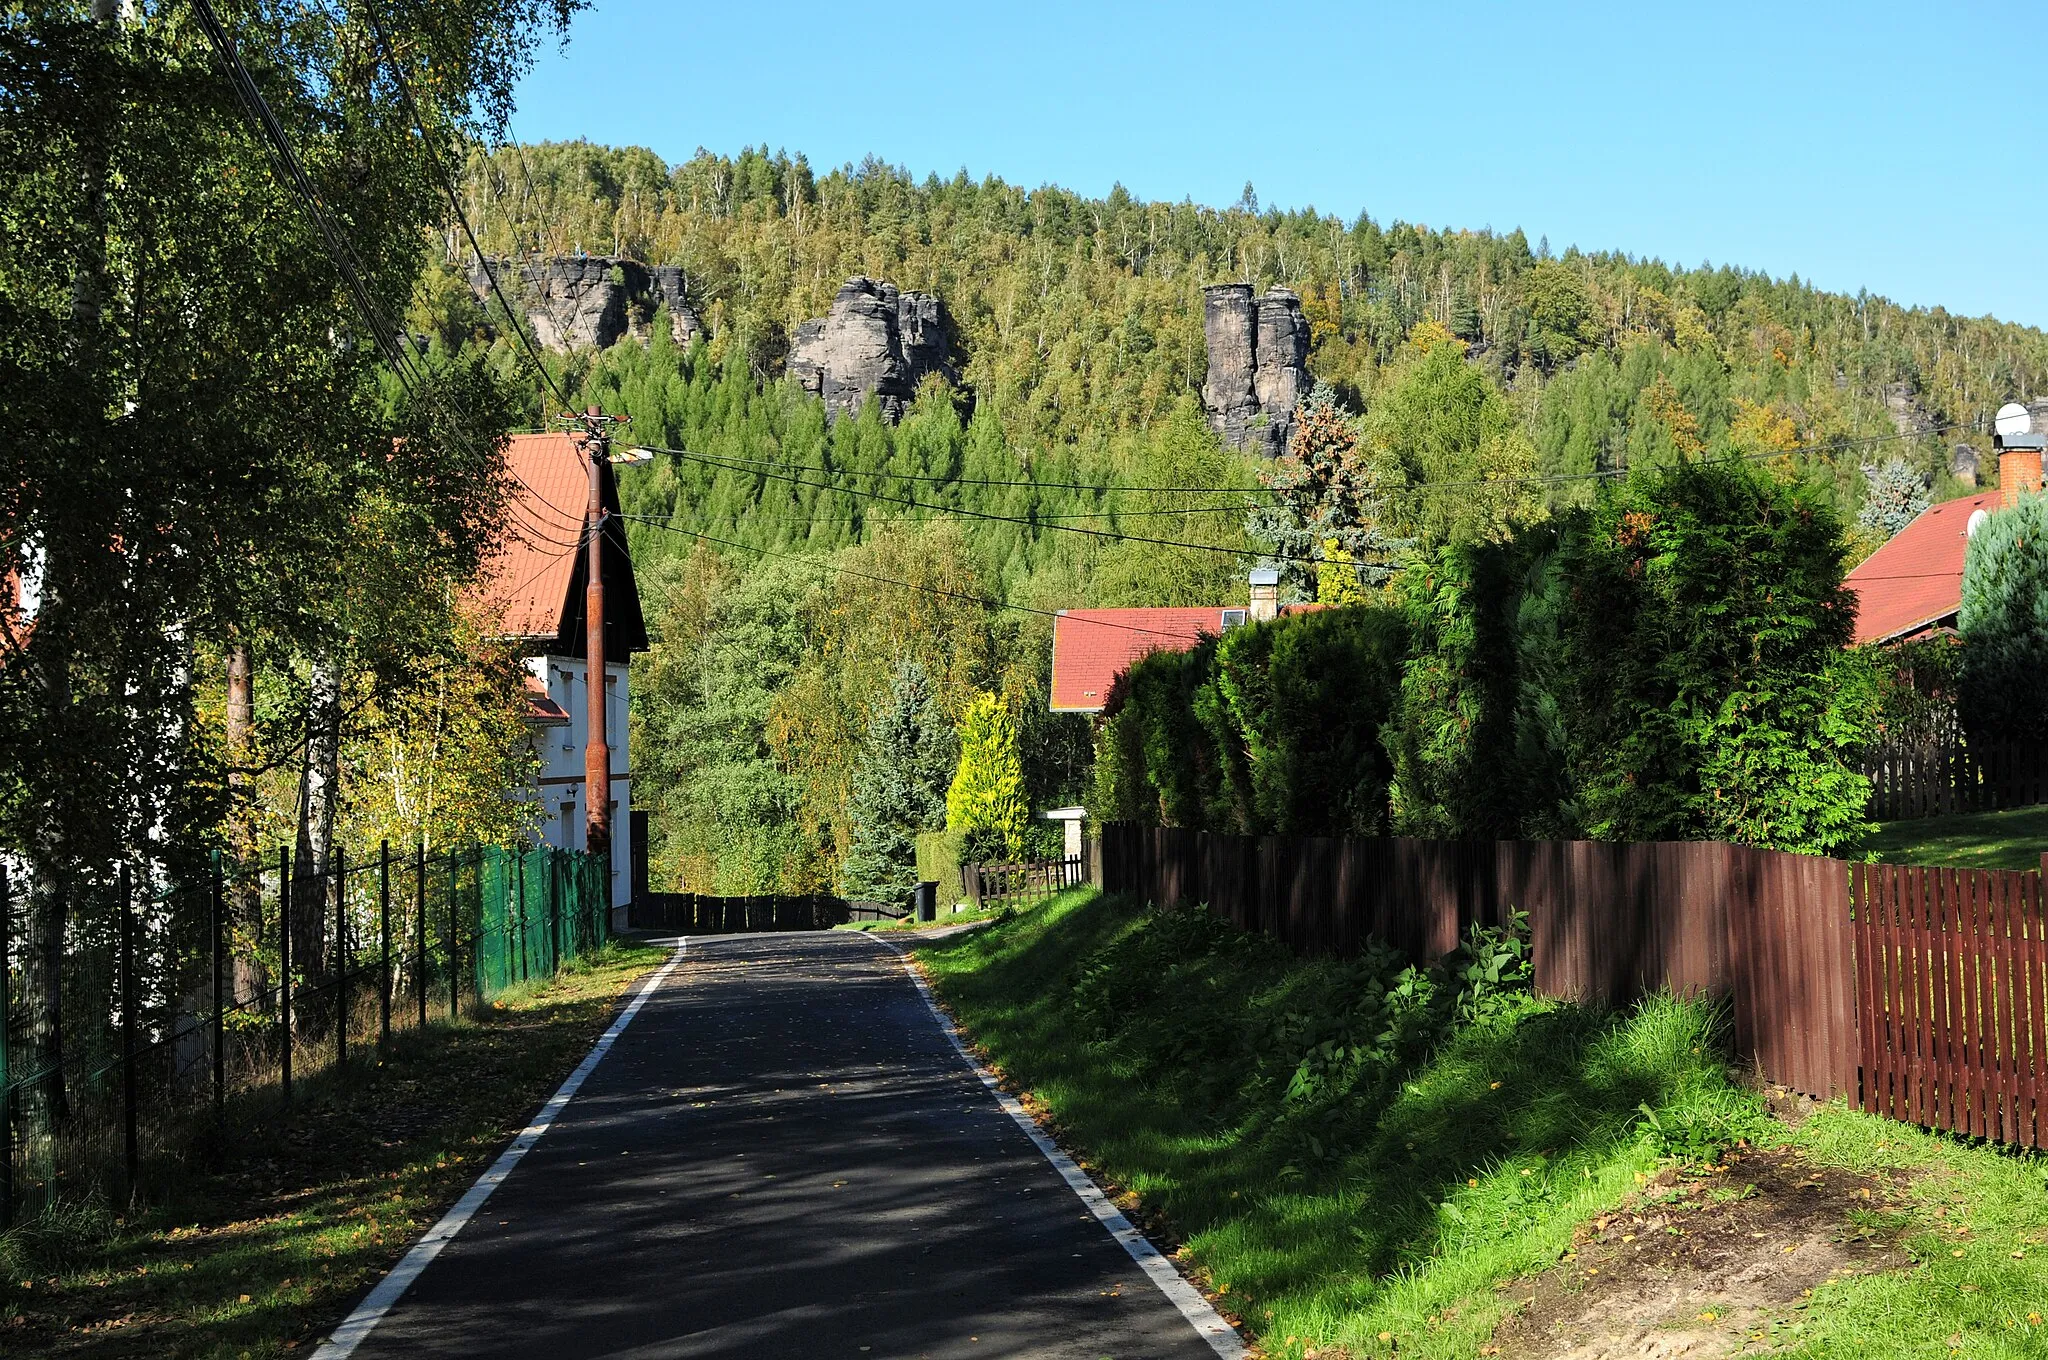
(926, 901)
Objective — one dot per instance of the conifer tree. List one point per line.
(1328, 504)
(986, 801)
(1895, 494)
(896, 791)
(2004, 623)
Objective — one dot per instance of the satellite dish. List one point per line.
(1977, 518)
(2013, 419)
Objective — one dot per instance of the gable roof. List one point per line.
(533, 587)
(1915, 581)
(1091, 647)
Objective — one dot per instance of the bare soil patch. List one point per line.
(1704, 1264)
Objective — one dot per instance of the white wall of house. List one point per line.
(560, 748)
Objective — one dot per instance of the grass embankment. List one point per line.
(1363, 1161)
(279, 1221)
(1977, 840)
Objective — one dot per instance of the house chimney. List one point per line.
(2019, 473)
(1266, 580)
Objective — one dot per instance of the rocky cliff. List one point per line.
(1258, 365)
(572, 301)
(876, 340)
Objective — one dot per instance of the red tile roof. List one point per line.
(1916, 580)
(1091, 647)
(541, 709)
(526, 586)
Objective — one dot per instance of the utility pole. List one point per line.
(597, 751)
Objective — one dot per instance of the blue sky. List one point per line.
(1898, 148)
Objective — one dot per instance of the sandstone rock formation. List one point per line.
(1963, 464)
(1258, 365)
(875, 340)
(573, 301)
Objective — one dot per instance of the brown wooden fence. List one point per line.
(1940, 777)
(984, 883)
(1953, 1030)
(1914, 993)
(704, 914)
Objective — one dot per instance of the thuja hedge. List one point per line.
(1670, 663)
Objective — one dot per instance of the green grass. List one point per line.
(1978, 840)
(273, 1227)
(1977, 1229)
(1333, 1202)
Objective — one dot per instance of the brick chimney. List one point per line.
(2019, 473)
(1266, 580)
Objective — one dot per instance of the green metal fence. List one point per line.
(178, 993)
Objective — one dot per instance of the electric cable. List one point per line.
(983, 600)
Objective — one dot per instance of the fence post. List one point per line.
(419, 919)
(454, 943)
(340, 957)
(220, 1028)
(284, 963)
(384, 943)
(129, 1157)
(6, 1073)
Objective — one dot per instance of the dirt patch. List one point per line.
(1705, 1264)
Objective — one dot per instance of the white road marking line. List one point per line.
(1207, 1322)
(358, 1325)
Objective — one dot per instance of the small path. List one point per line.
(783, 1156)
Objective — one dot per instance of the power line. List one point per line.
(455, 201)
(971, 481)
(762, 468)
(810, 561)
(294, 174)
(989, 515)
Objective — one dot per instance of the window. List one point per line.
(1233, 618)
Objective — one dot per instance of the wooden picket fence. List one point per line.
(1027, 880)
(1914, 993)
(1950, 968)
(1944, 776)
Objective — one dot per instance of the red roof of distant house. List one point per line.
(1915, 582)
(533, 588)
(541, 709)
(1091, 647)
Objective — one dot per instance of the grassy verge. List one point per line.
(280, 1220)
(1363, 1161)
(1978, 840)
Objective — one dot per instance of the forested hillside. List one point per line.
(1460, 357)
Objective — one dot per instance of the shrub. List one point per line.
(986, 801)
(2004, 623)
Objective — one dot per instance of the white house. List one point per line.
(535, 589)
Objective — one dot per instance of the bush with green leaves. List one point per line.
(1670, 663)
(2004, 623)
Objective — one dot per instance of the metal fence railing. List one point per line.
(176, 998)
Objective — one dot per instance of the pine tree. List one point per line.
(2004, 623)
(1895, 493)
(1328, 505)
(986, 801)
(896, 791)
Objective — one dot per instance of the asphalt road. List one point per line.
(783, 1155)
